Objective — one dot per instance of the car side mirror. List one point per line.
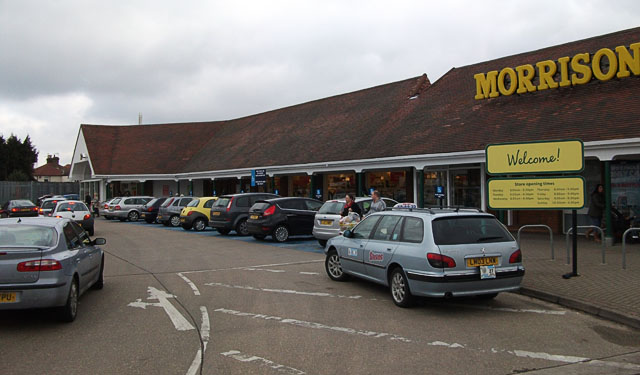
(348, 233)
(99, 241)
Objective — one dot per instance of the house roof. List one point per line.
(409, 117)
(51, 169)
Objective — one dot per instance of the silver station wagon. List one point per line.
(429, 252)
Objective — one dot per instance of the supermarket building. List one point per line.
(403, 138)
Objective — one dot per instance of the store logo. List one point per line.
(578, 70)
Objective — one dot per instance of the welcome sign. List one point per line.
(535, 157)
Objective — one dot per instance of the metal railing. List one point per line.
(553, 256)
(624, 246)
(586, 227)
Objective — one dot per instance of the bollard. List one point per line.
(553, 256)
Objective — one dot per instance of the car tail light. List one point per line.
(440, 261)
(149, 209)
(41, 212)
(39, 265)
(86, 217)
(229, 205)
(35, 209)
(269, 211)
(117, 208)
(58, 217)
(516, 257)
(106, 206)
(190, 213)
(14, 210)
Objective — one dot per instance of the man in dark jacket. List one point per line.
(596, 209)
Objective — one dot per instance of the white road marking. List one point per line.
(191, 284)
(205, 330)
(261, 269)
(258, 266)
(309, 273)
(237, 355)
(393, 337)
(283, 291)
(177, 319)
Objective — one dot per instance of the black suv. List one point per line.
(230, 212)
(282, 217)
(150, 210)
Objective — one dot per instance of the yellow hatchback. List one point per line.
(196, 214)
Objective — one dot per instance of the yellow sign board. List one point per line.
(535, 157)
(536, 193)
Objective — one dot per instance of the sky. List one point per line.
(69, 62)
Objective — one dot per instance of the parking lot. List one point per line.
(178, 302)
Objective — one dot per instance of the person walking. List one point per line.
(351, 205)
(596, 209)
(87, 200)
(378, 204)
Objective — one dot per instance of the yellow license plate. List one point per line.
(484, 261)
(253, 217)
(182, 219)
(215, 213)
(326, 222)
(8, 297)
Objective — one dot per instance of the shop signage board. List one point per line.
(258, 177)
(552, 193)
(564, 156)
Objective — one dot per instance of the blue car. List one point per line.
(47, 263)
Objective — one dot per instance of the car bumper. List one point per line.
(260, 229)
(187, 220)
(325, 233)
(37, 295)
(221, 224)
(86, 224)
(23, 214)
(148, 216)
(439, 285)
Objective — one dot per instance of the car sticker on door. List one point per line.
(352, 252)
(376, 257)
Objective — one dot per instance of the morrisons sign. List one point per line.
(577, 70)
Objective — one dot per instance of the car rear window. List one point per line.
(49, 204)
(27, 235)
(71, 206)
(222, 202)
(116, 201)
(23, 203)
(331, 208)
(167, 202)
(152, 202)
(468, 230)
(260, 206)
(194, 203)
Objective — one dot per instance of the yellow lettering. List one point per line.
(546, 70)
(613, 64)
(486, 85)
(525, 75)
(626, 61)
(580, 68)
(564, 71)
(512, 81)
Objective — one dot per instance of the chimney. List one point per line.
(52, 159)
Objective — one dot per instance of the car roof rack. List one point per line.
(456, 208)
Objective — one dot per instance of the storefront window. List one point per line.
(389, 184)
(466, 187)
(338, 185)
(625, 187)
(432, 179)
(300, 186)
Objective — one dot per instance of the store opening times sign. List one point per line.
(562, 193)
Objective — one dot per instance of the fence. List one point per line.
(31, 190)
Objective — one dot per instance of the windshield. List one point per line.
(23, 203)
(469, 230)
(27, 235)
(50, 204)
(333, 207)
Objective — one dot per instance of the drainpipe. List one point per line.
(607, 203)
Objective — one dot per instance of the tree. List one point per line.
(17, 159)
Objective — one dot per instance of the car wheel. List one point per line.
(134, 216)
(322, 243)
(199, 225)
(186, 227)
(223, 231)
(399, 288)
(281, 233)
(99, 284)
(68, 312)
(90, 231)
(333, 267)
(174, 220)
(241, 228)
(487, 296)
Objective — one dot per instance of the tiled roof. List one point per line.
(449, 119)
(402, 118)
(51, 169)
(145, 149)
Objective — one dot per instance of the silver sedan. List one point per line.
(47, 262)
